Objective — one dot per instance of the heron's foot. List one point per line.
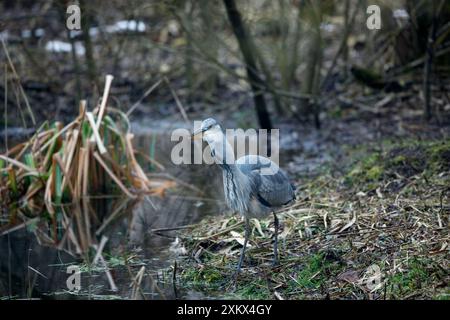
(231, 287)
(237, 272)
(275, 262)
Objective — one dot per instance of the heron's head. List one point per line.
(209, 131)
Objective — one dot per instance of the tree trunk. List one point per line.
(86, 19)
(256, 83)
(428, 68)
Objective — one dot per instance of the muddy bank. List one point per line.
(373, 230)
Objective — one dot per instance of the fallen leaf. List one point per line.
(239, 238)
(348, 225)
(258, 227)
(350, 276)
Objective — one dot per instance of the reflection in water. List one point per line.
(26, 267)
(29, 269)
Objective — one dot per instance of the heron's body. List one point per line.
(254, 186)
(251, 193)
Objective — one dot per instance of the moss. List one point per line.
(374, 173)
(413, 279)
(439, 155)
(371, 159)
(366, 169)
(398, 160)
(316, 271)
(405, 159)
(308, 277)
(443, 296)
(212, 276)
(205, 278)
(253, 290)
(213, 281)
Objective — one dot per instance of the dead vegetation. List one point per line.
(52, 179)
(345, 239)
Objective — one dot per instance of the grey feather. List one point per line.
(272, 190)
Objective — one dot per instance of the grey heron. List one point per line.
(248, 190)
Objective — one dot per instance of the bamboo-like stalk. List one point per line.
(112, 216)
(65, 173)
(85, 195)
(111, 174)
(48, 193)
(58, 135)
(109, 79)
(78, 191)
(18, 164)
(96, 135)
(68, 161)
(60, 165)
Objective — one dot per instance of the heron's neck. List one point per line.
(229, 158)
(237, 187)
(222, 150)
(224, 156)
(228, 165)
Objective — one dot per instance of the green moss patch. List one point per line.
(398, 161)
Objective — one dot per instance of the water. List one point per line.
(137, 238)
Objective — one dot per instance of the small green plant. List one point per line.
(414, 278)
(316, 270)
(204, 278)
(254, 290)
(367, 169)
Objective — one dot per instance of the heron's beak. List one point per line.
(197, 134)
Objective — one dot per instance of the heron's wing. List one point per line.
(254, 162)
(274, 190)
(271, 186)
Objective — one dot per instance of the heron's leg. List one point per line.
(247, 234)
(275, 242)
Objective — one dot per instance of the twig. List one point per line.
(145, 95)
(100, 250)
(6, 109)
(113, 176)
(111, 217)
(174, 279)
(189, 226)
(221, 232)
(178, 102)
(108, 273)
(96, 135)
(22, 91)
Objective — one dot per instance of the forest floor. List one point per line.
(371, 222)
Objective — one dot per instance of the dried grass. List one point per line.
(330, 238)
(67, 166)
